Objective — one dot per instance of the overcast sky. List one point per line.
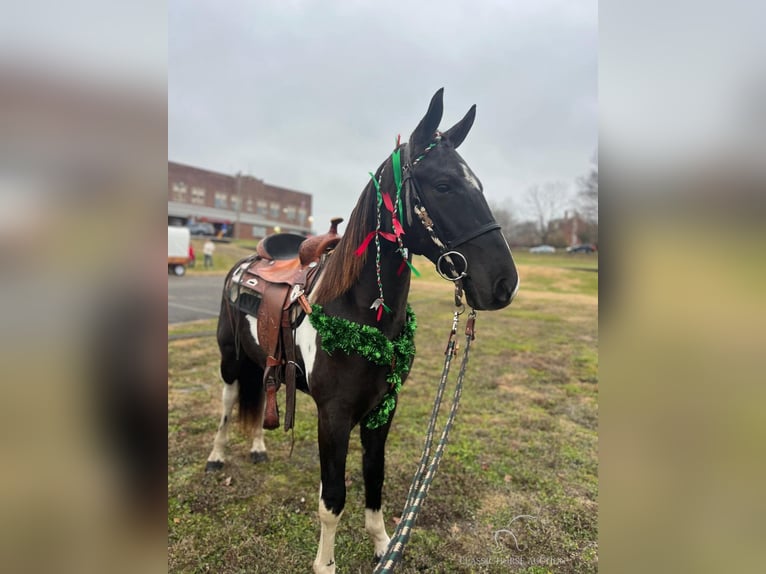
(311, 95)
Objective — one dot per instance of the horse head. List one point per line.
(447, 216)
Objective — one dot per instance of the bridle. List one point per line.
(409, 198)
(415, 203)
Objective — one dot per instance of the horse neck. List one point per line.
(396, 286)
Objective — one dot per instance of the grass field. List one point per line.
(525, 443)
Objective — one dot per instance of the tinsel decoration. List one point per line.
(339, 334)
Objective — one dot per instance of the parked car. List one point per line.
(542, 249)
(201, 228)
(585, 248)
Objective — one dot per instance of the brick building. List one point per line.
(200, 195)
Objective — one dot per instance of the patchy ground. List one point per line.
(517, 488)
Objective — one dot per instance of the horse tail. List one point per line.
(250, 394)
(237, 366)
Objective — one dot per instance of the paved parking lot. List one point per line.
(192, 298)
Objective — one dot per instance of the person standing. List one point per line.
(208, 249)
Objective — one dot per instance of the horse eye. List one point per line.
(442, 187)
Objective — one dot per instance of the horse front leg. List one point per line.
(373, 463)
(333, 447)
(229, 398)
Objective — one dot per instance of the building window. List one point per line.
(262, 208)
(221, 200)
(198, 196)
(259, 231)
(290, 212)
(274, 210)
(180, 192)
(302, 215)
(235, 203)
(249, 205)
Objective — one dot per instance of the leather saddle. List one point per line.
(273, 286)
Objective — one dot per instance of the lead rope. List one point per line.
(426, 471)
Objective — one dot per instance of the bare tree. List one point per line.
(587, 193)
(504, 215)
(547, 201)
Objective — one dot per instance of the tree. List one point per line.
(587, 199)
(587, 194)
(546, 202)
(504, 215)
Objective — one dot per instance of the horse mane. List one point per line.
(343, 266)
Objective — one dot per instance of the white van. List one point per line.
(179, 240)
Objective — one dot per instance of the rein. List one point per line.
(429, 462)
(426, 471)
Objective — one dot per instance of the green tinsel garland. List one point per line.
(370, 343)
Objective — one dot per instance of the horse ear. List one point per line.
(456, 134)
(424, 133)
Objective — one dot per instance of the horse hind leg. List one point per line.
(258, 449)
(229, 397)
(252, 406)
(230, 373)
(373, 462)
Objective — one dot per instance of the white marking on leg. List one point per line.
(470, 177)
(376, 528)
(258, 444)
(253, 327)
(306, 339)
(325, 560)
(228, 398)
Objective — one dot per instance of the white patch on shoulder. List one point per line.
(253, 327)
(306, 339)
(470, 177)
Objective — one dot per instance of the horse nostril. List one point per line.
(503, 292)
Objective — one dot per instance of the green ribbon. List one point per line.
(415, 272)
(377, 188)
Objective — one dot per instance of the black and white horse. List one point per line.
(424, 200)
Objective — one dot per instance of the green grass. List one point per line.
(525, 443)
(224, 257)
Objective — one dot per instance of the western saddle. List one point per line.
(273, 286)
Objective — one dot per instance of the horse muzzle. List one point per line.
(491, 281)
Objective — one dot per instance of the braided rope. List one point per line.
(432, 145)
(421, 483)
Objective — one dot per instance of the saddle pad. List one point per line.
(248, 302)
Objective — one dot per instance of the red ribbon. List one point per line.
(387, 202)
(398, 229)
(402, 267)
(380, 312)
(363, 247)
